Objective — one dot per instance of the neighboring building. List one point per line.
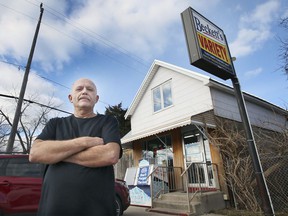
(174, 108)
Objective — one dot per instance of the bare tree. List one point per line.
(4, 130)
(237, 163)
(284, 46)
(31, 119)
(229, 137)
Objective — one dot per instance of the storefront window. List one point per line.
(158, 151)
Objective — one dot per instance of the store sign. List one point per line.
(207, 45)
(143, 175)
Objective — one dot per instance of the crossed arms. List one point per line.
(85, 151)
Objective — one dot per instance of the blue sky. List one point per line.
(115, 42)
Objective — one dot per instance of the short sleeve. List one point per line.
(110, 132)
(49, 131)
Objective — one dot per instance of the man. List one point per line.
(80, 151)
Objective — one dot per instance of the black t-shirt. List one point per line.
(70, 189)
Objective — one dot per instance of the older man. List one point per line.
(80, 151)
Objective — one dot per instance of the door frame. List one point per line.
(200, 173)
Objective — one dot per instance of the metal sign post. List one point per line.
(265, 197)
(209, 51)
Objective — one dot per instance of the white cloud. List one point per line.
(37, 89)
(285, 14)
(253, 73)
(136, 25)
(146, 28)
(143, 28)
(255, 29)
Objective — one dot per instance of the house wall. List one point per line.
(225, 105)
(190, 96)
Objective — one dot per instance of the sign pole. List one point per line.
(259, 175)
(208, 50)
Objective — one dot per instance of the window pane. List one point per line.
(159, 151)
(157, 99)
(167, 95)
(22, 167)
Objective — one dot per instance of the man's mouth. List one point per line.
(83, 98)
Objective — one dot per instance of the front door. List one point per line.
(197, 156)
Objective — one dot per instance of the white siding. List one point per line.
(190, 97)
(225, 105)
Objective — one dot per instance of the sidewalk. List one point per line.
(142, 211)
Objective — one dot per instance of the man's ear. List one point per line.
(70, 98)
(97, 98)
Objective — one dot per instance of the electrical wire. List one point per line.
(45, 78)
(84, 30)
(30, 101)
(91, 34)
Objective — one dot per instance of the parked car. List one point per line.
(20, 186)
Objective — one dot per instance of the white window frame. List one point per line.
(160, 87)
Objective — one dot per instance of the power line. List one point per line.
(45, 78)
(40, 104)
(85, 31)
(103, 40)
(100, 37)
(17, 65)
(92, 34)
(49, 80)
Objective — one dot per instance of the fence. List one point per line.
(125, 162)
(276, 174)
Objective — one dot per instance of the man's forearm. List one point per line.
(97, 156)
(53, 151)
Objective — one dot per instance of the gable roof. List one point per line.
(149, 76)
(206, 80)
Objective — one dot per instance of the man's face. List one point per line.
(84, 94)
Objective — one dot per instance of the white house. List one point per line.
(170, 110)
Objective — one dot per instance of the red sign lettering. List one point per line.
(213, 48)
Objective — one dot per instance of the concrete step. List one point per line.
(174, 204)
(201, 203)
(178, 206)
(179, 196)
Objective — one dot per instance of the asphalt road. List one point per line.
(142, 211)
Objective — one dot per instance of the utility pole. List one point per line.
(11, 140)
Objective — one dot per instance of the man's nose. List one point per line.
(84, 91)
